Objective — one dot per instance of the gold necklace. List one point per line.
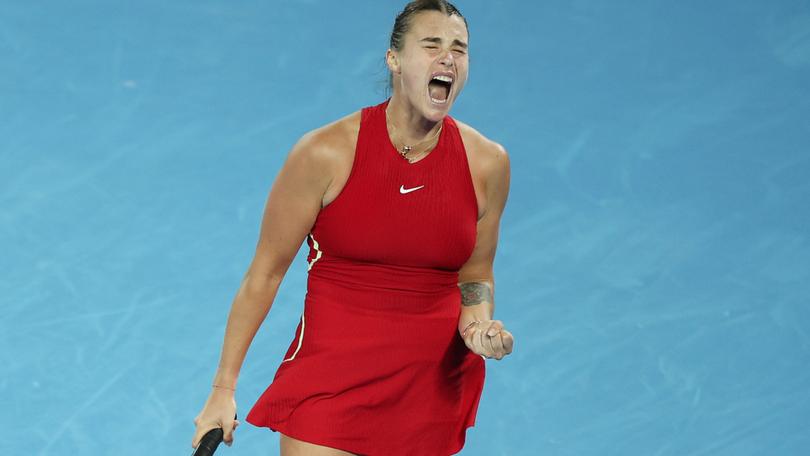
(406, 149)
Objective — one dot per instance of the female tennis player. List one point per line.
(400, 205)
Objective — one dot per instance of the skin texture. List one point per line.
(435, 42)
(473, 293)
(293, 447)
(314, 173)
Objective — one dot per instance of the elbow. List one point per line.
(261, 284)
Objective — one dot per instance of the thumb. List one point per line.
(199, 435)
(227, 431)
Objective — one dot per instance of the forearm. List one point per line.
(248, 311)
(477, 302)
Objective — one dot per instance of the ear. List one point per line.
(392, 61)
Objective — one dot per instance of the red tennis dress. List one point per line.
(377, 366)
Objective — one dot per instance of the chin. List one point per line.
(437, 112)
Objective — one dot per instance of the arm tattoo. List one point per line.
(473, 293)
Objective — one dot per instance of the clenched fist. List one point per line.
(488, 338)
(219, 411)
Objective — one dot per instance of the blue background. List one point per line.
(654, 260)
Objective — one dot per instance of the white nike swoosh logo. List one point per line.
(404, 190)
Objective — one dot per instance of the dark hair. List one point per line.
(403, 21)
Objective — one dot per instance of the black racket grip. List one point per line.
(209, 442)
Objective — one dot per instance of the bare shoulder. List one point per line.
(327, 145)
(488, 159)
(322, 158)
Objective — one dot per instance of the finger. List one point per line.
(508, 341)
(497, 346)
(474, 338)
(467, 336)
(489, 333)
(479, 340)
(467, 329)
(492, 336)
(487, 327)
(470, 333)
(494, 328)
(227, 432)
(469, 339)
(489, 345)
(199, 435)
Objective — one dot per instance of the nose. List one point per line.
(447, 59)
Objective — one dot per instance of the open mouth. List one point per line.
(439, 88)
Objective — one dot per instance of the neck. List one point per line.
(410, 125)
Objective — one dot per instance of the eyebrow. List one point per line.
(437, 40)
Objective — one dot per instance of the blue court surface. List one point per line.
(654, 256)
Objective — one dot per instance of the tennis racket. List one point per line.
(209, 442)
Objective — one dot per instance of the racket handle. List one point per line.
(209, 442)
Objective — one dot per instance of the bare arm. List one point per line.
(476, 277)
(291, 209)
(292, 206)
